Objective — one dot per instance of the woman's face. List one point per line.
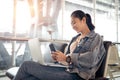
(77, 24)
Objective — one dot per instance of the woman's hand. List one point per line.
(54, 55)
(58, 56)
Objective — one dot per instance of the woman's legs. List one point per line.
(43, 72)
(31, 78)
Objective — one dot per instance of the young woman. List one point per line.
(83, 55)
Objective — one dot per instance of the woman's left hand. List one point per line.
(60, 56)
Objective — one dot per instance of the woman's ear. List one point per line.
(84, 19)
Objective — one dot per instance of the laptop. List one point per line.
(36, 53)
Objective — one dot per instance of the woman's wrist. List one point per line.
(68, 59)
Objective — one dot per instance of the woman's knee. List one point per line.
(27, 63)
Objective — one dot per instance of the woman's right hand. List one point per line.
(59, 56)
(54, 55)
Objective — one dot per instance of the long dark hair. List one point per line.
(80, 14)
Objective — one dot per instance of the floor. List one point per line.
(3, 77)
(6, 78)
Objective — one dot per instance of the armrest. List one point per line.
(115, 64)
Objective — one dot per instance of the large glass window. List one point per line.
(103, 13)
(119, 21)
(105, 19)
(23, 17)
(6, 16)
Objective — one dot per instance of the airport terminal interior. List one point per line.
(46, 21)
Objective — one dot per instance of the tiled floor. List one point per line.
(4, 78)
(2, 75)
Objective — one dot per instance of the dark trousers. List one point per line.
(34, 71)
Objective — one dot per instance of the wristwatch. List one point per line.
(68, 59)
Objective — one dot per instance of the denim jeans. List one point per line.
(30, 70)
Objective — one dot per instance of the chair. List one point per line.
(114, 62)
(102, 71)
(111, 64)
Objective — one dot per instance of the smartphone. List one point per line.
(52, 48)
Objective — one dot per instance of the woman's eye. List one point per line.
(73, 23)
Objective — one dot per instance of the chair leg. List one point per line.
(110, 74)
